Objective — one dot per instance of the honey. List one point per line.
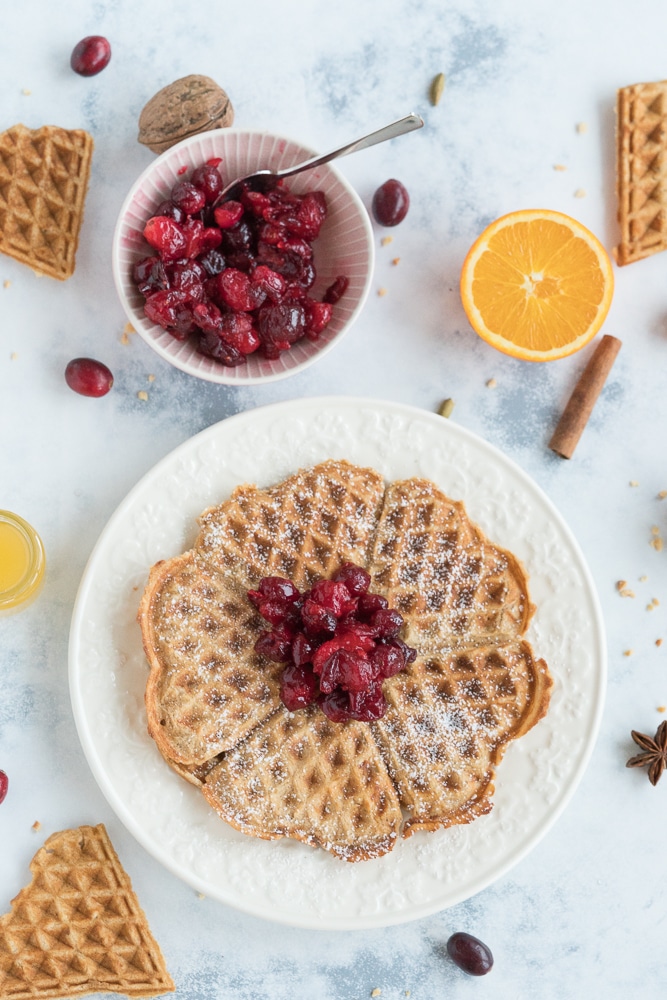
(22, 562)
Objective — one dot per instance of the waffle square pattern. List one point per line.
(353, 788)
(43, 182)
(78, 927)
(642, 170)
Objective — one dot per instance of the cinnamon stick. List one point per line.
(580, 405)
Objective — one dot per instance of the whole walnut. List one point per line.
(185, 107)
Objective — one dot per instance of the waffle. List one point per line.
(352, 788)
(642, 170)
(43, 181)
(78, 927)
(299, 775)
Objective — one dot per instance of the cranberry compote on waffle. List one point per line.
(338, 641)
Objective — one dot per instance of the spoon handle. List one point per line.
(400, 127)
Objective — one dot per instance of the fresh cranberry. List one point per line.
(298, 687)
(4, 785)
(207, 178)
(88, 377)
(355, 578)
(390, 203)
(90, 55)
(336, 289)
(166, 236)
(470, 954)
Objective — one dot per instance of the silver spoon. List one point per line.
(266, 179)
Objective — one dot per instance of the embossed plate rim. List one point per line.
(373, 881)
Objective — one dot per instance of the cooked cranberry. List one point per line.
(188, 278)
(212, 346)
(239, 237)
(275, 588)
(390, 203)
(90, 55)
(387, 621)
(336, 289)
(298, 687)
(334, 596)
(355, 578)
(149, 275)
(207, 178)
(237, 330)
(166, 236)
(228, 214)
(470, 954)
(213, 262)
(270, 282)
(369, 704)
(88, 377)
(162, 307)
(388, 660)
(336, 706)
(275, 645)
(302, 649)
(236, 291)
(4, 785)
(281, 322)
(409, 653)
(170, 210)
(188, 197)
(316, 619)
(369, 604)
(318, 317)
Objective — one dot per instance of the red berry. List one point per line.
(336, 289)
(470, 954)
(90, 55)
(188, 197)
(298, 687)
(4, 785)
(88, 377)
(166, 236)
(228, 214)
(390, 203)
(355, 578)
(207, 178)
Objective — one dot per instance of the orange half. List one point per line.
(537, 285)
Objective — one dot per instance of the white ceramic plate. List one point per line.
(284, 880)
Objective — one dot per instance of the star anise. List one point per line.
(654, 752)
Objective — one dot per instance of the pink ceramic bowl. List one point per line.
(344, 246)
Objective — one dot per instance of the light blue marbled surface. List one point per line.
(584, 915)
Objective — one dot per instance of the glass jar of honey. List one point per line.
(22, 563)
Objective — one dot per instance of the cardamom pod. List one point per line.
(437, 88)
(446, 407)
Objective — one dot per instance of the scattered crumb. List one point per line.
(649, 607)
(13, 356)
(382, 291)
(662, 708)
(6, 283)
(407, 993)
(661, 495)
(143, 396)
(26, 92)
(125, 335)
(124, 339)
(396, 260)
(627, 652)
(580, 193)
(36, 826)
(376, 992)
(491, 383)
(200, 895)
(446, 408)
(633, 482)
(655, 602)
(658, 642)
(128, 328)
(582, 127)
(386, 240)
(151, 378)
(656, 543)
(623, 589)
(643, 579)
(559, 166)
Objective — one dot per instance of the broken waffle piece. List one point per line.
(78, 927)
(641, 170)
(43, 182)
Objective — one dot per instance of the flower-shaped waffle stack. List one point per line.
(354, 787)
